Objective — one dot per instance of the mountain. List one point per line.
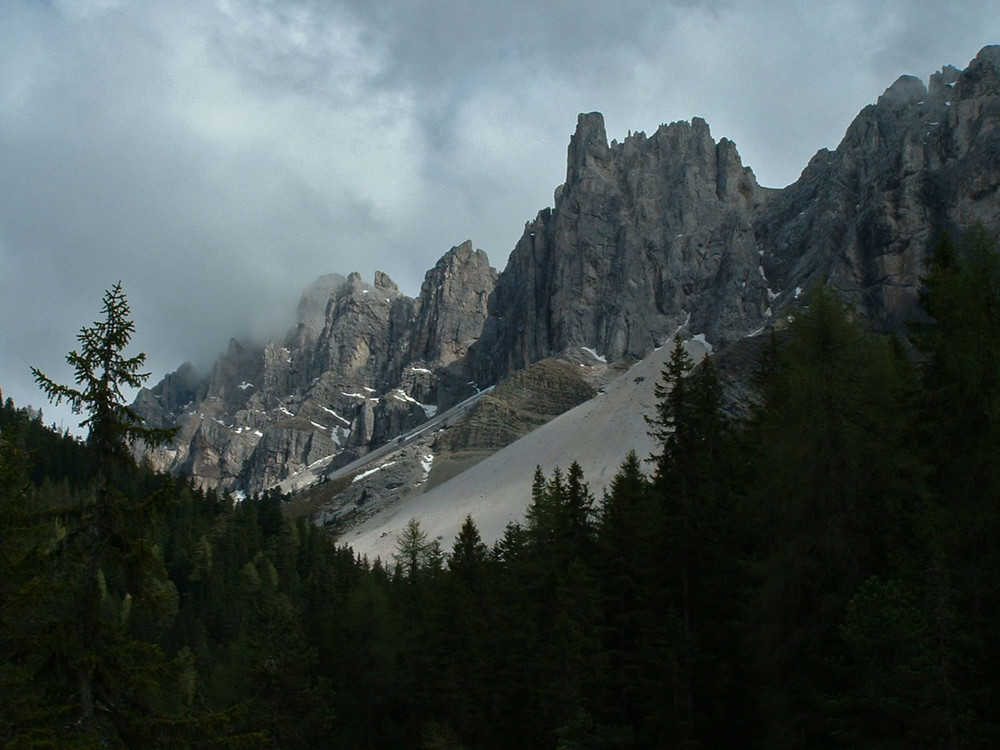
(648, 238)
(645, 236)
(497, 490)
(363, 363)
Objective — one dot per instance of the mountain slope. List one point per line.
(644, 237)
(598, 434)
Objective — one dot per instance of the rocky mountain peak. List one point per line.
(363, 364)
(940, 86)
(315, 298)
(904, 92)
(588, 148)
(382, 281)
(985, 66)
(452, 306)
(647, 238)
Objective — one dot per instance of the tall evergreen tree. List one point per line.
(414, 552)
(836, 481)
(694, 564)
(106, 554)
(959, 430)
(29, 711)
(626, 539)
(468, 555)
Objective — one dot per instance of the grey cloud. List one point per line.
(217, 157)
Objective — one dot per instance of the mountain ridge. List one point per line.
(646, 238)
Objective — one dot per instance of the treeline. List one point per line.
(824, 572)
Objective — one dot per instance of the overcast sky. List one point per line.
(216, 157)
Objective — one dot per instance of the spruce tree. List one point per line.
(29, 711)
(959, 431)
(468, 555)
(837, 479)
(106, 553)
(692, 562)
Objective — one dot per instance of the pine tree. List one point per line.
(836, 482)
(692, 562)
(414, 552)
(106, 554)
(959, 430)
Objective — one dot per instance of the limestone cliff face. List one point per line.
(452, 306)
(645, 236)
(672, 230)
(921, 161)
(363, 364)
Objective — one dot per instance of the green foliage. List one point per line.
(838, 481)
(415, 554)
(822, 574)
(959, 439)
(897, 692)
(101, 371)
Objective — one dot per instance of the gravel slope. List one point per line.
(598, 434)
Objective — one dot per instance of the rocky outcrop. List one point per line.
(645, 236)
(452, 306)
(920, 161)
(523, 401)
(670, 230)
(360, 367)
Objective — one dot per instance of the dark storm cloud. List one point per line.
(216, 157)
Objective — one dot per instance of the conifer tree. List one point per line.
(625, 542)
(414, 552)
(959, 431)
(28, 712)
(469, 554)
(836, 479)
(692, 561)
(107, 551)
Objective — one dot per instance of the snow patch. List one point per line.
(283, 410)
(798, 292)
(368, 473)
(351, 395)
(318, 425)
(400, 395)
(700, 338)
(244, 385)
(411, 368)
(595, 355)
(334, 414)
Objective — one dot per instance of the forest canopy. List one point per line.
(822, 572)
